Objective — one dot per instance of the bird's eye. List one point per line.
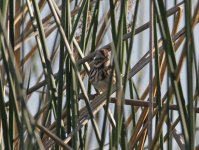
(98, 58)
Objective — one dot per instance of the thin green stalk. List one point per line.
(12, 35)
(92, 24)
(85, 136)
(133, 89)
(74, 102)
(151, 87)
(61, 72)
(189, 43)
(122, 54)
(95, 26)
(104, 126)
(113, 23)
(68, 96)
(157, 75)
(84, 25)
(119, 48)
(116, 131)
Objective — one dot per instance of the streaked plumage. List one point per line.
(100, 71)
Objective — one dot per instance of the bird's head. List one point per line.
(102, 58)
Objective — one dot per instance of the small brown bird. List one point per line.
(100, 73)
